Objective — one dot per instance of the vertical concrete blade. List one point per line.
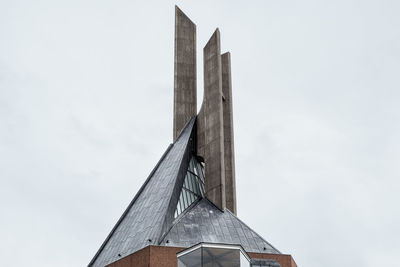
(185, 94)
(229, 154)
(210, 123)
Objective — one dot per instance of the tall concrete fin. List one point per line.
(210, 125)
(229, 153)
(185, 94)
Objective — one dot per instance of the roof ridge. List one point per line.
(188, 129)
(184, 127)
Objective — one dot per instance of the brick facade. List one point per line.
(160, 256)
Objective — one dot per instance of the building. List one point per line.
(185, 212)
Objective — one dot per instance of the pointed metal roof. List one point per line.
(151, 212)
(150, 217)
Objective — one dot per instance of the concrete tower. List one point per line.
(214, 122)
(185, 94)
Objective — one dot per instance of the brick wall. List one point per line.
(159, 256)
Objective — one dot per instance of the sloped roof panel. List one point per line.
(146, 218)
(206, 223)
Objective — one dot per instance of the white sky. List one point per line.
(86, 93)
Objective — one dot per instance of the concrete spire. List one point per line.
(210, 123)
(214, 122)
(185, 91)
(229, 153)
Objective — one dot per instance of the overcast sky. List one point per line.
(86, 93)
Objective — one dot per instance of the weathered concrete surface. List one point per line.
(214, 123)
(210, 123)
(185, 91)
(229, 154)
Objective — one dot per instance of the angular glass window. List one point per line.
(213, 255)
(193, 186)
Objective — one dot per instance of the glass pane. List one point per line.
(189, 198)
(192, 165)
(185, 184)
(202, 190)
(200, 187)
(183, 200)
(186, 197)
(192, 198)
(190, 181)
(221, 257)
(195, 188)
(191, 259)
(179, 208)
(194, 169)
(182, 203)
(195, 185)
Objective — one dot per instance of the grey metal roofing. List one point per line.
(204, 222)
(151, 212)
(149, 218)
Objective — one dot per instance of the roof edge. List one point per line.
(191, 124)
(130, 205)
(253, 231)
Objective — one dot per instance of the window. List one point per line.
(210, 255)
(193, 186)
